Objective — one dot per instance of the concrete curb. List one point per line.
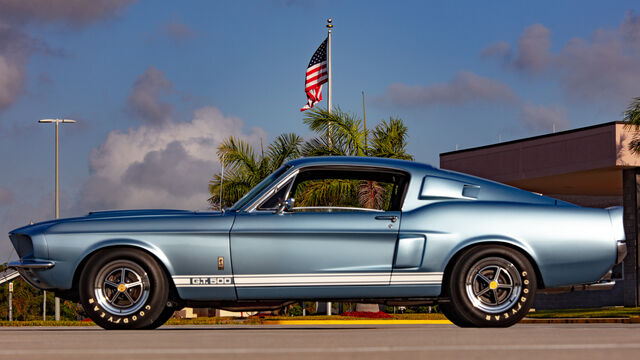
(629, 320)
(354, 322)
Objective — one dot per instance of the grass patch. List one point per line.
(608, 312)
(432, 316)
(47, 323)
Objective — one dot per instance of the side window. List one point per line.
(348, 190)
(272, 202)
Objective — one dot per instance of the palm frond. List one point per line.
(234, 185)
(342, 125)
(320, 147)
(632, 114)
(235, 153)
(390, 140)
(371, 194)
(631, 117)
(285, 147)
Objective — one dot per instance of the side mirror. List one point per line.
(285, 206)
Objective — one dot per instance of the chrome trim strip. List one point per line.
(269, 192)
(31, 264)
(621, 247)
(336, 208)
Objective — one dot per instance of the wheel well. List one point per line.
(454, 259)
(173, 292)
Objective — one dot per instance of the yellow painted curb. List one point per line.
(354, 322)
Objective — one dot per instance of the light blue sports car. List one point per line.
(351, 229)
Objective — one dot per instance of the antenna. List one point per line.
(364, 115)
(221, 180)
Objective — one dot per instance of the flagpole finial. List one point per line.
(329, 25)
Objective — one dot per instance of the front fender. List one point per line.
(126, 242)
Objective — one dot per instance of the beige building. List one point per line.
(590, 166)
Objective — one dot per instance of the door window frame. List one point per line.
(290, 179)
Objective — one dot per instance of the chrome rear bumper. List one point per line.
(605, 283)
(621, 245)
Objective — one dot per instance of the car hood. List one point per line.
(120, 220)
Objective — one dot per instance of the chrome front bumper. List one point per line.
(31, 264)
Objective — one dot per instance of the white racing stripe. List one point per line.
(323, 279)
(416, 278)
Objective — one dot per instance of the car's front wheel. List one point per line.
(491, 286)
(124, 288)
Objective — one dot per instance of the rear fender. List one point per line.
(516, 244)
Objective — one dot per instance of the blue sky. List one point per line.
(156, 85)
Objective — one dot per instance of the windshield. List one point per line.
(258, 189)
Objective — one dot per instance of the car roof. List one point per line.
(360, 161)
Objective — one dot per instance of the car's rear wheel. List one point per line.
(124, 288)
(449, 311)
(491, 286)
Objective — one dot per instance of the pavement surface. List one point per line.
(523, 341)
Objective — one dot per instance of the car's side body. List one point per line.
(246, 254)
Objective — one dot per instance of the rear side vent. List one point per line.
(22, 244)
(434, 187)
(471, 191)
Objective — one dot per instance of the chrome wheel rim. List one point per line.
(122, 287)
(493, 285)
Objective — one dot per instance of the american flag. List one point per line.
(316, 76)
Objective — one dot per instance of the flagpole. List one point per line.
(329, 26)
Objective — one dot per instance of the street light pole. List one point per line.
(57, 206)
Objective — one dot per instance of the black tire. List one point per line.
(452, 315)
(167, 313)
(491, 286)
(123, 288)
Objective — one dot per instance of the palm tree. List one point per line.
(345, 136)
(244, 169)
(339, 134)
(632, 118)
(390, 140)
(342, 128)
(348, 137)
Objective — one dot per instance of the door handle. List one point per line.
(391, 218)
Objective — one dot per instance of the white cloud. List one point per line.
(155, 167)
(6, 197)
(178, 31)
(533, 48)
(144, 98)
(601, 68)
(11, 82)
(543, 117)
(465, 87)
(72, 12)
(500, 50)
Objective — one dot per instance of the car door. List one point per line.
(314, 251)
(313, 254)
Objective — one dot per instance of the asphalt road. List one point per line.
(527, 341)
